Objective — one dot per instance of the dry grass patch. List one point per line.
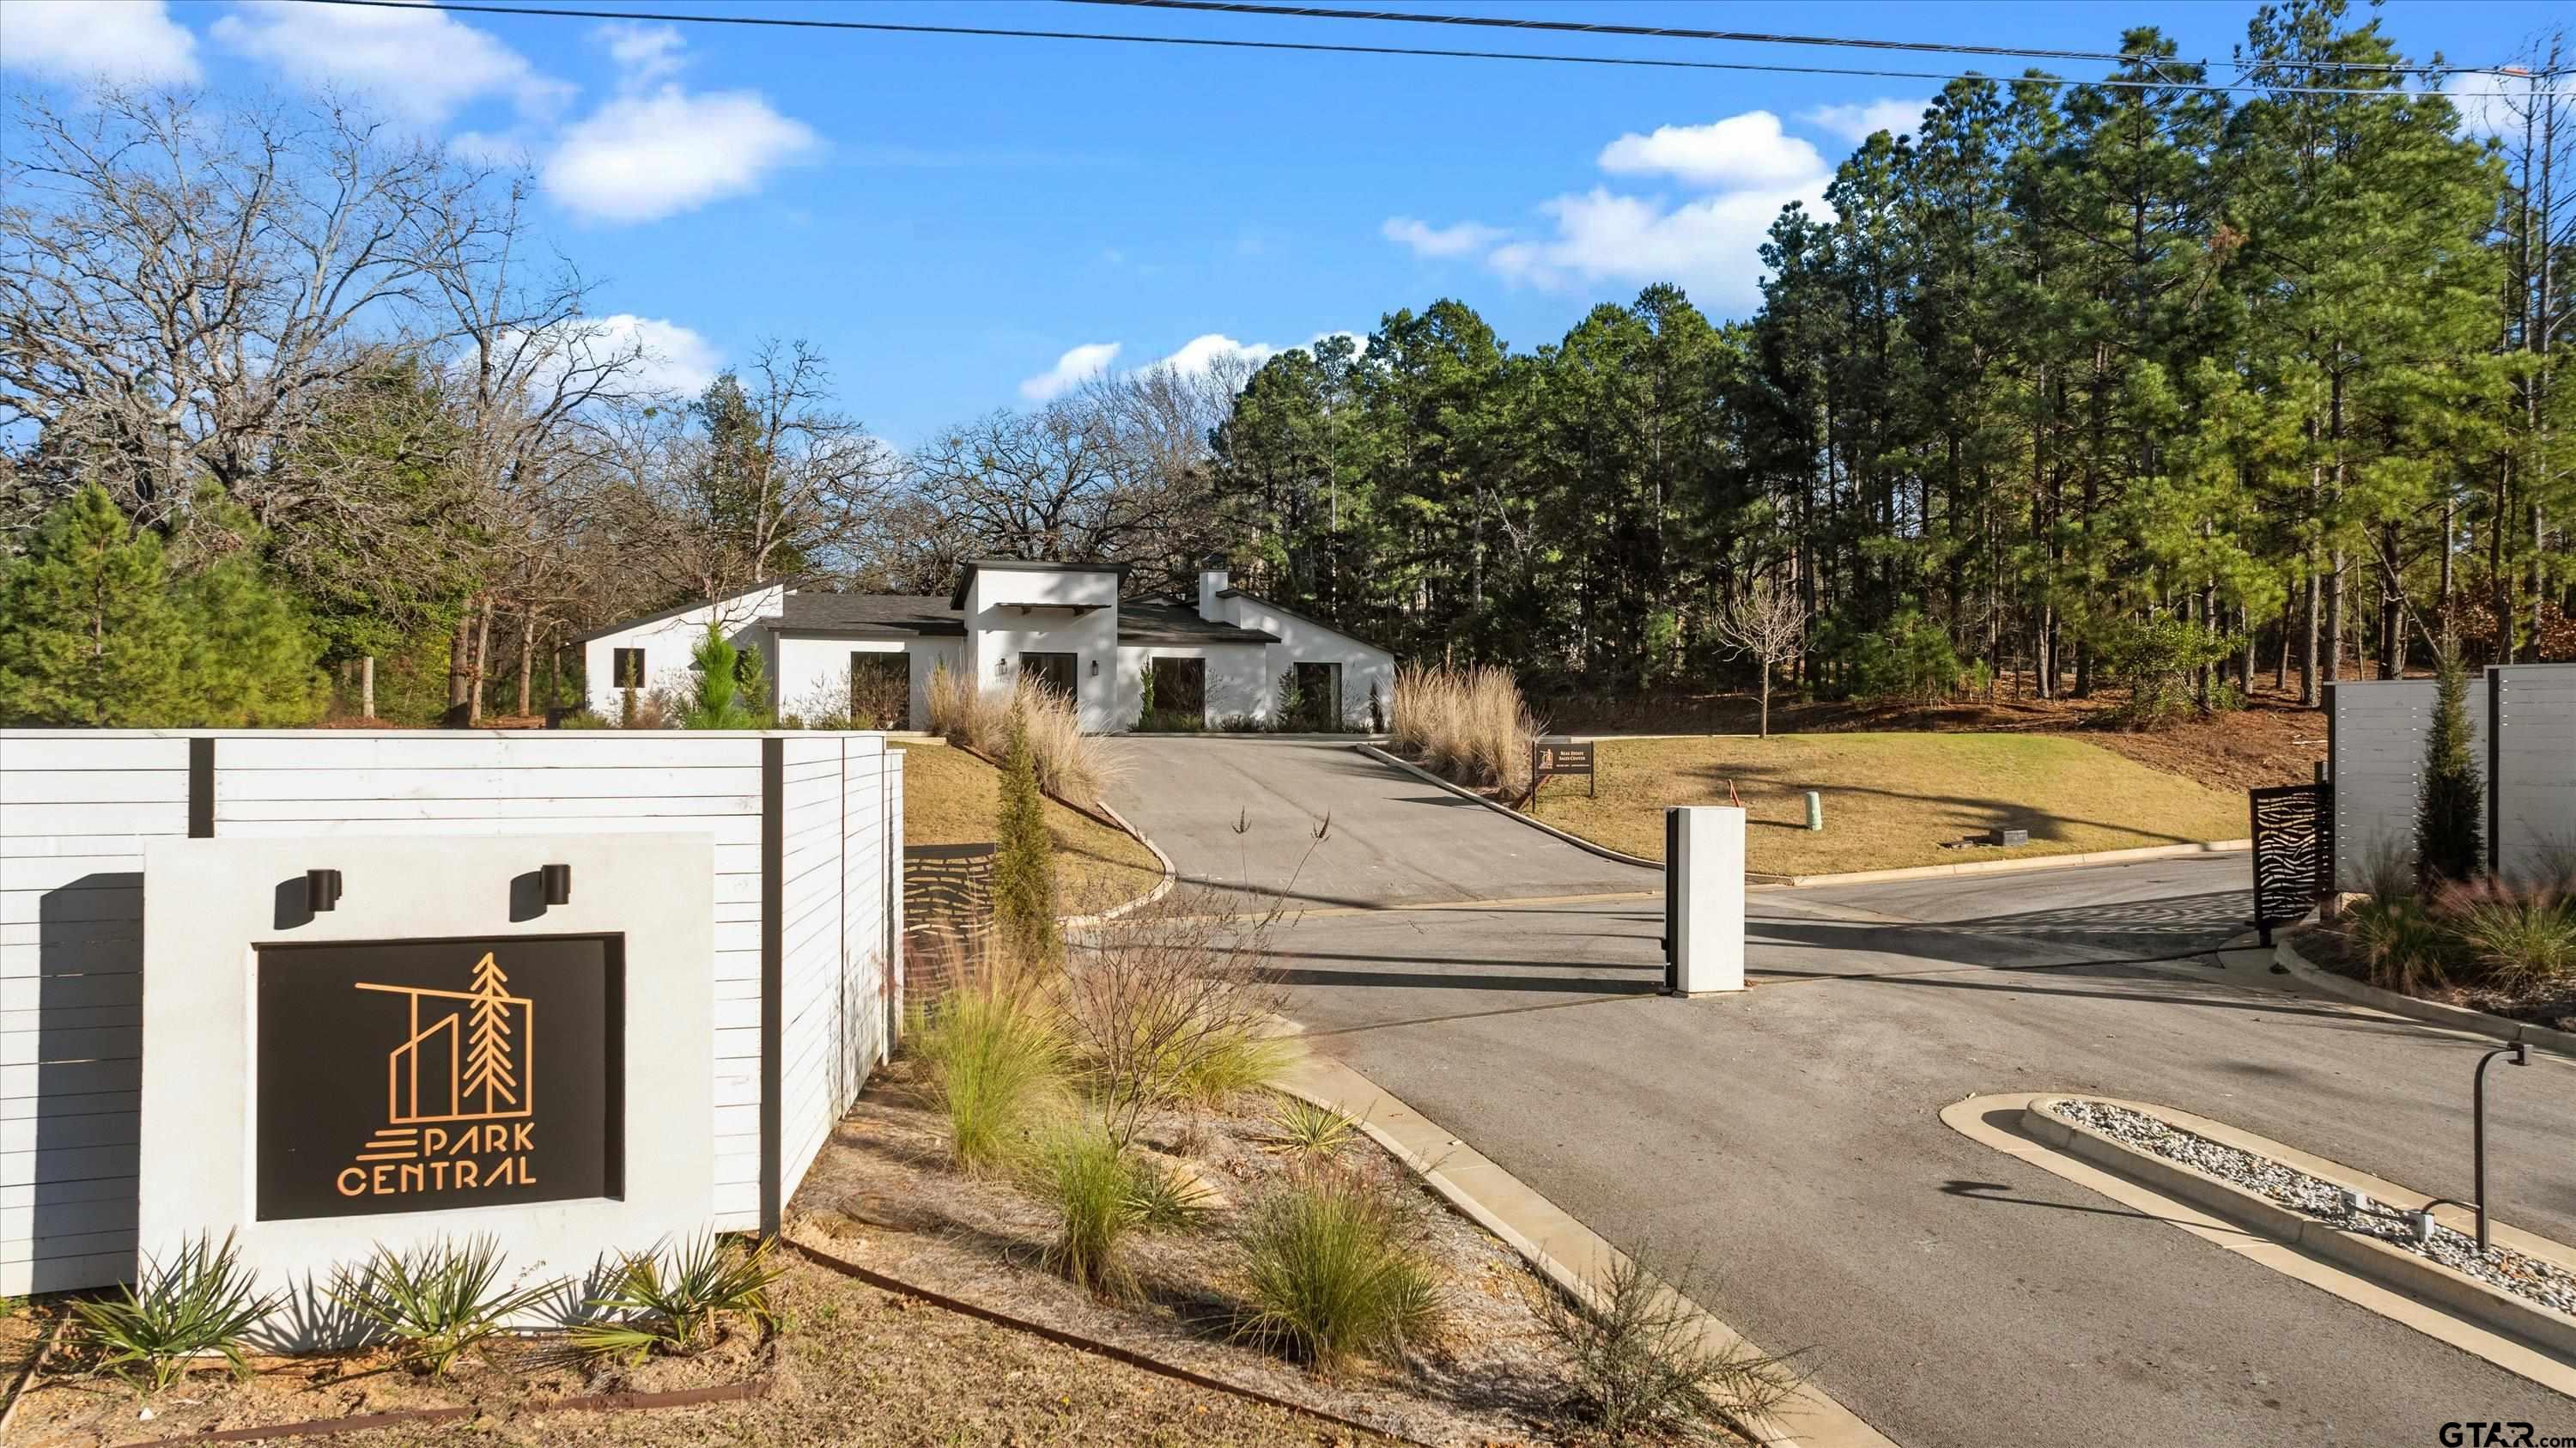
(952, 798)
(1892, 800)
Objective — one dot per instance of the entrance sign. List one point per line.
(406, 1076)
(1553, 758)
(446, 1053)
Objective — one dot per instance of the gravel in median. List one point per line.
(2502, 1267)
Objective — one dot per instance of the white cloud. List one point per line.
(1745, 150)
(645, 53)
(658, 150)
(1858, 122)
(125, 41)
(644, 157)
(676, 358)
(1070, 370)
(1456, 239)
(1205, 351)
(416, 61)
(2484, 107)
(1711, 246)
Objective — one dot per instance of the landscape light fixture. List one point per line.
(321, 890)
(558, 884)
(2521, 1054)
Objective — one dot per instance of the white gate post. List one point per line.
(1705, 888)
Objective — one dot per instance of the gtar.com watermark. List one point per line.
(2487, 1434)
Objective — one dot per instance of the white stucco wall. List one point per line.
(1304, 641)
(997, 633)
(809, 666)
(1235, 684)
(667, 642)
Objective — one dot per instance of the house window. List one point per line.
(1058, 672)
(629, 668)
(880, 691)
(1180, 692)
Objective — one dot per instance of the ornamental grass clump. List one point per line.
(2516, 937)
(199, 1300)
(1470, 725)
(672, 1302)
(1334, 1274)
(437, 1301)
(1643, 1358)
(995, 1052)
(1084, 1174)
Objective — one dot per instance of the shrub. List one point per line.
(2159, 661)
(1024, 857)
(2401, 945)
(1166, 1005)
(715, 698)
(201, 1300)
(1906, 660)
(996, 1058)
(2450, 800)
(1641, 1355)
(1304, 1129)
(1084, 1174)
(675, 1309)
(1470, 725)
(1332, 1275)
(438, 1301)
(585, 719)
(2513, 936)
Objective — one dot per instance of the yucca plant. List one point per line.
(437, 1301)
(674, 1308)
(200, 1300)
(1167, 1200)
(1301, 1128)
(1332, 1274)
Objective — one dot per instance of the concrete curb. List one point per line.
(2421, 1277)
(2511, 1352)
(1256, 736)
(1847, 877)
(2431, 1013)
(1171, 877)
(1566, 1252)
(1542, 826)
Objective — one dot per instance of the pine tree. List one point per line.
(88, 633)
(487, 1060)
(1024, 860)
(250, 649)
(718, 701)
(2452, 798)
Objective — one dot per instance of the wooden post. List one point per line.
(367, 686)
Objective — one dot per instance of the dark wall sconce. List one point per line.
(321, 890)
(1095, 668)
(558, 884)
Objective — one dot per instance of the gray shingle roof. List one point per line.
(1145, 621)
(873, 615)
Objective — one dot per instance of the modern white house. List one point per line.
(1227, 656)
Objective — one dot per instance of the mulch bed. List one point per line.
(884, 1196)
(2551, 1003)
(507, 1378)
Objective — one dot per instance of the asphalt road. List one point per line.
(1239, 813)
(1788, 1140)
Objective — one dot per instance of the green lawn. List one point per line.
(950, 797)
(1892, 800)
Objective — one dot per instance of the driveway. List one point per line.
(1239, 813)
(1788, 1138)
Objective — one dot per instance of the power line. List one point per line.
(1678, 32)
(1318, 47)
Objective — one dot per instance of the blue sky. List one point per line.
(962, 224)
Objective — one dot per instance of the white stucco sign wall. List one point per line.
(439, 1054)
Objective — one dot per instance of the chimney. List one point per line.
(1212, 581)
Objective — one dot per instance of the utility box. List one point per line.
(1703, 899)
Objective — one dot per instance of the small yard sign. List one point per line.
(420, 1075)
(1552, 758)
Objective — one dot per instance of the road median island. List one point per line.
(2332, 1226)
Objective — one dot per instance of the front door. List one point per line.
(1319, 697)
(1060, 672)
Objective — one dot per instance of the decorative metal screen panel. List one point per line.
(2293, 830)
(947, 912)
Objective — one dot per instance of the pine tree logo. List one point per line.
(487, 1056)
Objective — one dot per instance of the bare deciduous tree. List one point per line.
(1767, 623)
